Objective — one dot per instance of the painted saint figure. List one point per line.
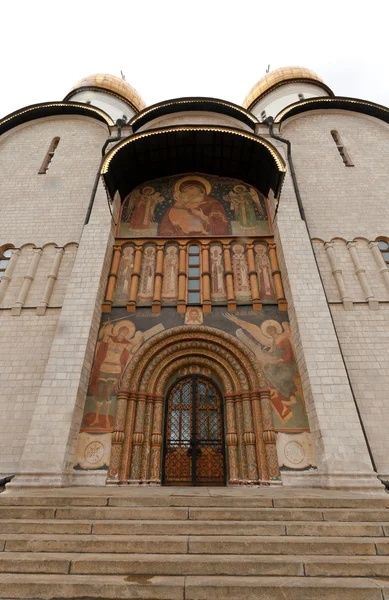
(241, 272)
(194, 211)
(242, 201)
(117, 344)
(122, 289)
(141, 207)
(170, 274)
(265, 279)
(146, 288)
(218, 288)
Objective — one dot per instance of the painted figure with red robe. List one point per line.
(113, 352)
(194, 211)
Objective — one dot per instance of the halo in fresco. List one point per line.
(194, 204)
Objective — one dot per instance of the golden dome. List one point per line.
(279, 77)
(113, 85)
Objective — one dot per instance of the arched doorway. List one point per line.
(194, 449)
(138, 435)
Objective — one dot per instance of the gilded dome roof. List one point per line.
(278, 77)
(112, 84)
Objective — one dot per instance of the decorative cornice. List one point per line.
(335, 102)
(26, 114)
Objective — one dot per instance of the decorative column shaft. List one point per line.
(338, 275)
(28, 279)
(131, 304)
(361, 274)
(206, 278)
(51, 279)
(156, 306)
(112, 278)
(379, 259)
(127, 422)
(231, 438)
(138, 438)
(181, 304)
(241, 442)
(263, 471)
(269, 435)
(282, 304)
(231, 301)
(117, 437)
(257, 304)
(146, 448)
(156, 441)
(7, 277)
(249, 437)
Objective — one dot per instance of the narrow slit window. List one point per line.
(384, 247)
(300, 96)
(263, 115)
(49, 156)
(4, 260)
(341, 149)
(194, 296)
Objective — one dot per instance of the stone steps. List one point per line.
(144, 587)
(188, 527)
(189, 564)
(202, 514)
(194, 546)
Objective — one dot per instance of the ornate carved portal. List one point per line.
(194, 448)
(249, 436)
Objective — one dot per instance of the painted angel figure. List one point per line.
(242, 201)
(141, 207)
(272, 346)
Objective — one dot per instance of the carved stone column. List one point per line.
(138, 438)
(127, 422)
(257, 304)
(379, 259)
(338, 275)
(206, 278)
(249, 437)
(231, 438)
(7, 277)
(241, 443)
(269, 435)
(118, 434)
(182, 275)
(263, 471)
(282, 303)
(360, 272)
(51, 279)
(28, 279)
(231, 301)
(156, 306)
(131, 304)
(146, 448)
(156, 441)
(112, 278)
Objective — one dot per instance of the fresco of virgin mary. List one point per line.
(194, 211)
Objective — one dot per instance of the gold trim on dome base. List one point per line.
(111, 84)
(280, 77)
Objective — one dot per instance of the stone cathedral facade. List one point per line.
(195, 292)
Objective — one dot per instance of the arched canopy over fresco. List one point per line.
(203, 149)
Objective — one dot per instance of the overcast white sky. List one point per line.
(169, 48)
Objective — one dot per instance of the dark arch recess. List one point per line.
(214, 150)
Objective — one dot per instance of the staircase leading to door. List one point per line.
(194, 544)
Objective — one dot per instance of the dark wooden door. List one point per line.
(194, 451)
